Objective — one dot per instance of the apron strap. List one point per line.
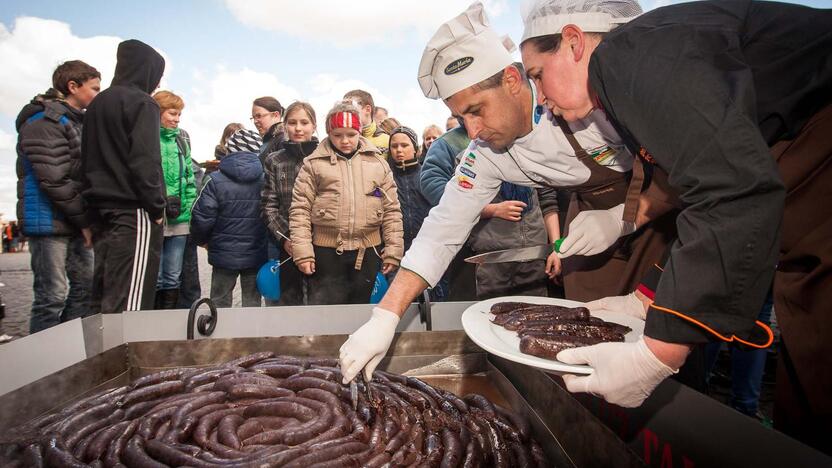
(580, 152)
(634, 191)
(636, 182)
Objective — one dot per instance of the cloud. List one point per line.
(652, 5)
(35, 46)
(8, 177)
(223, 96)
(32, 50)
(349, 24)
(410, 107)
(216, 96)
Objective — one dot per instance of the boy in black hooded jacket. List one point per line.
(121, 162)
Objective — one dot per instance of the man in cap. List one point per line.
(708, 92)
(472, 70)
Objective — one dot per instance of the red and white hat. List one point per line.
(345, 120)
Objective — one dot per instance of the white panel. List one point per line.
(447, 315)
(112, 330)
(35, 356)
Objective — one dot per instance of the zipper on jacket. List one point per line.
(352, 197)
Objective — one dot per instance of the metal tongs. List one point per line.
(354, 390)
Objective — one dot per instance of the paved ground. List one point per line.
(16, 275)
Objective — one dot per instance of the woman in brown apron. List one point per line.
(619, 269)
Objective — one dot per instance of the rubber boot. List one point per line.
(157, 302)
(169, 299)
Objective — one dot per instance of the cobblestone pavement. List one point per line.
(16, 275)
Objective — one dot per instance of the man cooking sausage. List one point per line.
(467, 65)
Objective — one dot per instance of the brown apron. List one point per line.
(803, 285)
(619, 269)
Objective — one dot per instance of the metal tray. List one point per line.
(569, 434)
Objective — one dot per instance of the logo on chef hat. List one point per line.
(458, 65)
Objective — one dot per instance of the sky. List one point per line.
(222, 54)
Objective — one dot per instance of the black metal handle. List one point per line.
(424, 310)
(206, 323)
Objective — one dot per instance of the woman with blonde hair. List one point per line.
(281, 169)
(180, 186)
(429, 135)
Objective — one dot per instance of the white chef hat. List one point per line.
(463, 52)
(545, 17)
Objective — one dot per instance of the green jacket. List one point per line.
(178, 172)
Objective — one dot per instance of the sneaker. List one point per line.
(6, 338)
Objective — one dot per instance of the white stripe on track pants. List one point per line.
(128, 245)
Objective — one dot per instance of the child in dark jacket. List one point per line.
(226, 217)
(282, 168)
(406, 167)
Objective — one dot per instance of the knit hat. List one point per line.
(410, 134)
(345, 120)
(244, 140)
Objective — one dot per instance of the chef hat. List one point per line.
(463, 52)
(546, 17)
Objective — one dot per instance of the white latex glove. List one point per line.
(594, 231)
(629, 304)
(624, 374)
(367, 346)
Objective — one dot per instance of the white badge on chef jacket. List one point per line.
(463, 52)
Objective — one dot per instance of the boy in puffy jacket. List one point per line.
(50, 208)
(226, 217)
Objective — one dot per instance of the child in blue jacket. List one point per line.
(226, 217)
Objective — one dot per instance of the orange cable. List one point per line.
(717, 334)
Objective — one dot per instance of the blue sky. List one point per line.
(223, 54)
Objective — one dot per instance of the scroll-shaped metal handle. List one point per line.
(206, 324)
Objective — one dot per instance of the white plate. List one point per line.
(476, 321)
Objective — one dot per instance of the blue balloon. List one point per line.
(268, 280)
(379, 289)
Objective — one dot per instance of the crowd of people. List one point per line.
(653, 226)
(117, 206)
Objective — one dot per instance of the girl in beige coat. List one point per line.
(344, 206)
